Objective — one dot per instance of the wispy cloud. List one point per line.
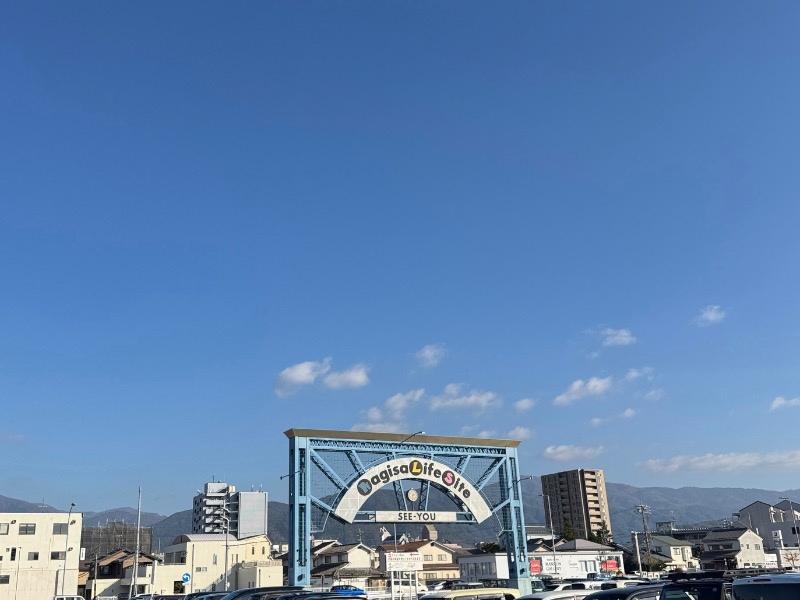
(486, 433)
(617, 337)
(524, 404)
(580, 389)
(391, 416)
(13, 438)
(456, 397)
(566, 453)
(628, 413)
(305, 373)
(733, 461)
(781, 402)
(710, 315)
(520, 433)
(655, 395)
(431, 355)
(634, 374)
(355, 377)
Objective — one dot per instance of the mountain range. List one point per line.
(687, 507)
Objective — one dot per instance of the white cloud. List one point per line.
(14, 438)
(391, 416)
(567, 453)
(617, 337)
(454, 397)
(519, 433)
(634, 374)
(710, 315)
(625, 414)
(579, 389)
(304, 373)
(733, 461)
(655, 395)
(355, 377)
(431, 355)
(781, 402)
(486, 433)
(524, 404)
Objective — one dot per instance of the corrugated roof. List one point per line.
(202, 537)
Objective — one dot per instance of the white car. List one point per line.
(558, 594)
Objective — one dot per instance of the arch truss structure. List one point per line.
(364, 477)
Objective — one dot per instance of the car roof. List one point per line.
(622, 592)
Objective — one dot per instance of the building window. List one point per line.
(13, 554)
(60, 528)
(200, 569)
(33, 556)
(59, 556)
(27, 528)
(3, 528)
(327, 560)
(4, 578)
(758, 546)
(214, 559)
(442, 557)
(428, 557)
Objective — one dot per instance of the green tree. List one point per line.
(568, 531)
(603, 536)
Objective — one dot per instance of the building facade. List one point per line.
(219, 508)
(39, 555)
(577, 497)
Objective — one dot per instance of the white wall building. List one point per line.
(219, 508)
(202, 556)
(39, 554)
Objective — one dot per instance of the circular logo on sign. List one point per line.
(415, 468)
(364, 487)
(448, 478)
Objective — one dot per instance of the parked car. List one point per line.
(250, 593)
(567, 594)
(349, 590)
(697, 589)
(642, 592)
(474, 593)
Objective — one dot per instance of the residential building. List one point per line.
(106, 575)
(732, 548)
(578, 497)
(354, 564)
(778, 524)
(439, 561)
(219, 508)
(39, 554)
(674, 553)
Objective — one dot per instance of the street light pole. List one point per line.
(552, 531)
(66, 549)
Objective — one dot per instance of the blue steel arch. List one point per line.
(323, 465)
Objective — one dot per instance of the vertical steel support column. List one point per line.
(519, 567)
(299, 513)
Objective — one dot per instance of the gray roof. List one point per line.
(202, 537)
(667, 539)
(578, 544)
(724, 534)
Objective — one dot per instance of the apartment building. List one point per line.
(39, 554)
(219, 508)
(578, 497)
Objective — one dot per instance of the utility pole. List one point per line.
(638, 554)
(644, 510)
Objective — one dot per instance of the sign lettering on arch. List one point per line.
(411, 468)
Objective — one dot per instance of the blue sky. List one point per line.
(572, 223)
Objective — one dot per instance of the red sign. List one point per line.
(609, 565)
(536, 566)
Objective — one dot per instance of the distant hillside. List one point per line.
(21, 506)
(687, 506)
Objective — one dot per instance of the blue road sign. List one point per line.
(186, 577)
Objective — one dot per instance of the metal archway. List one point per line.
(336, 473)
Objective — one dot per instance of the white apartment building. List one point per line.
(219, 508)
(202, 556)
(39, 555)
(578, 497)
